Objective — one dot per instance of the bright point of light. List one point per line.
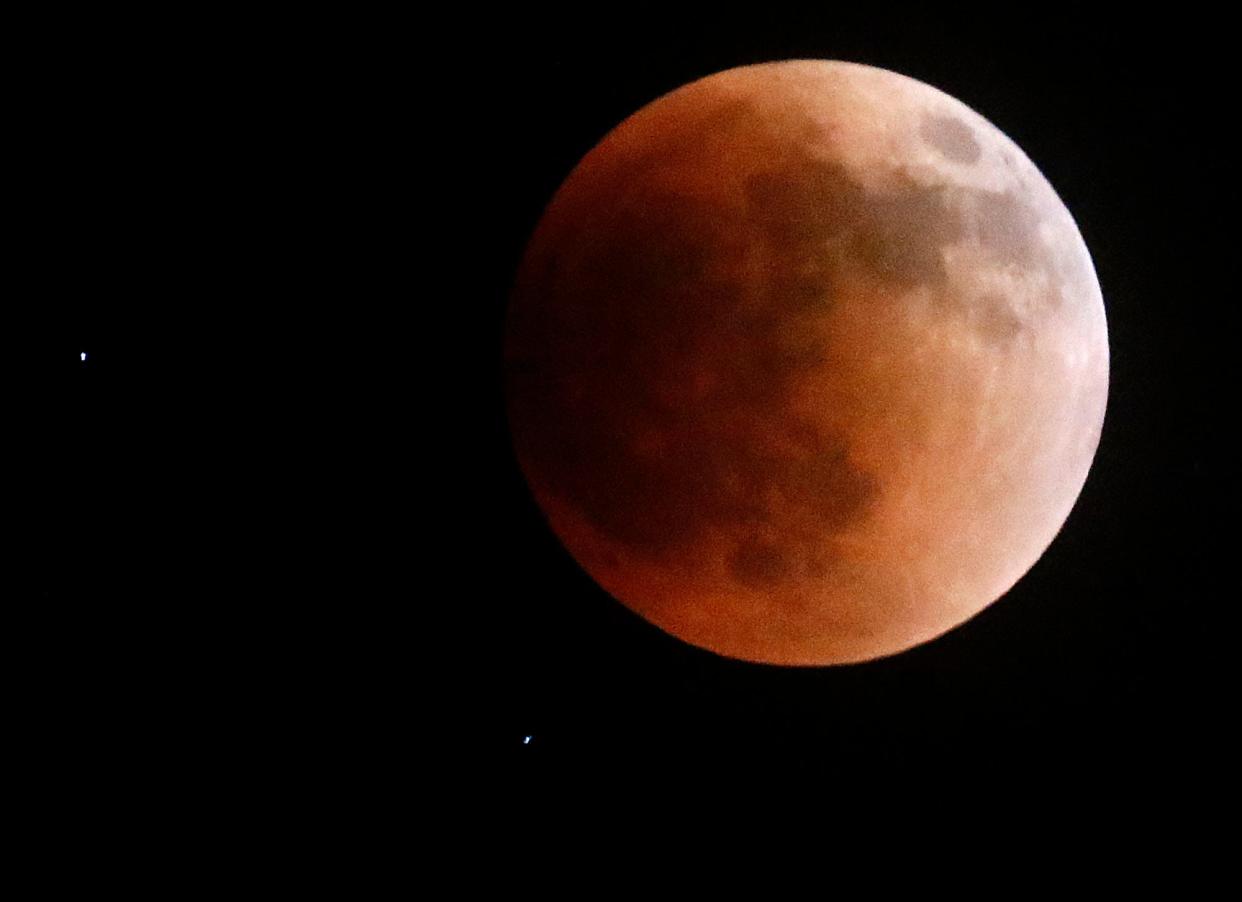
(83, 356)
(526, 741)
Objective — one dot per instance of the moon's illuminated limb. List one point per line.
(806, 363)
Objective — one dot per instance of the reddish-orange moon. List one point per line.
(806, 363)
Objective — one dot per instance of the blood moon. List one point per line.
(806, 363)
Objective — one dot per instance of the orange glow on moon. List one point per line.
(806, 363)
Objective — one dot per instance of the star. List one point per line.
(83, 356)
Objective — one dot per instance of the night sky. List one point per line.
(278, 495)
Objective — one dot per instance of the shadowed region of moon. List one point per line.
(668, 357)
(765, 373)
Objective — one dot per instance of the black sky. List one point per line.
(287, 246)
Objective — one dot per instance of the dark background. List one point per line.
(278, 497)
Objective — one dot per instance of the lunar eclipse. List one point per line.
(806, 363)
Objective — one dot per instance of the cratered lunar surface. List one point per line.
(806, 363)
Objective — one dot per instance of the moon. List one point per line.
(806, 363)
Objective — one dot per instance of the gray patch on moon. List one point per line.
(902, 239)
(808, 205)
(1007, 226)
(996, 321)
(952, 137)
